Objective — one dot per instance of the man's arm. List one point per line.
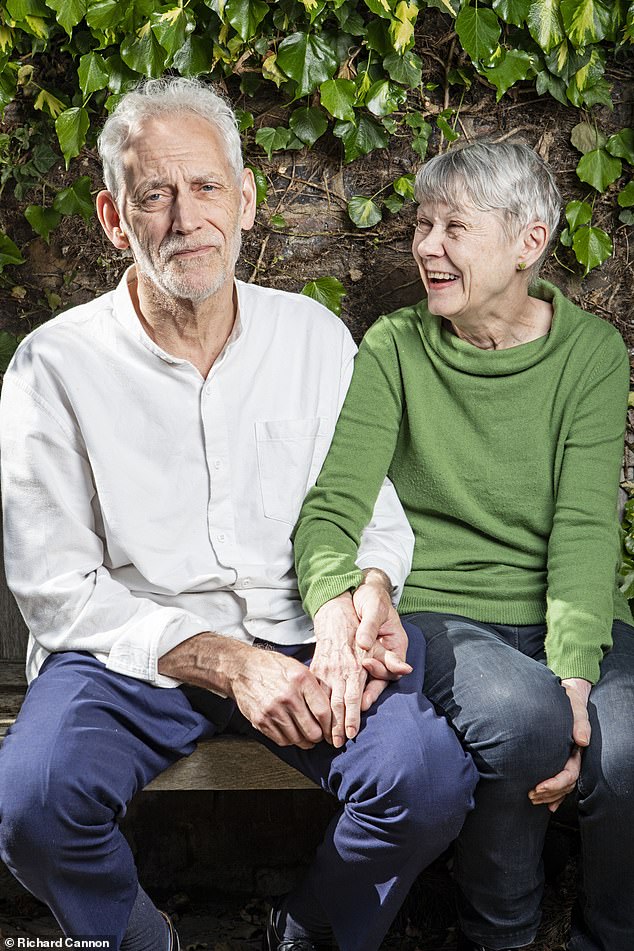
(54, 558)
(279, 696)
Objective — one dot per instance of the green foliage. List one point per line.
(344, 67)
(328, 291)
(627, 547)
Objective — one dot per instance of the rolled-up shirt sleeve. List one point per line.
(54, 557)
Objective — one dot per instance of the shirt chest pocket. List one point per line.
(290, 455)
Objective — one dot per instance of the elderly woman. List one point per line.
(497, 408)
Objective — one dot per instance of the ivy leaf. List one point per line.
(384, 97)
(105, 15)
(245, 16)
(313, 8)
(478, 30)
(75, 200)
(578, 213)
(585, 21)
(277, 221)
(71, 127)
(194, 57)
(69, 12)
(261, 184)
(42, 220)
(308, 124)
(622, 145)
(627, 217)
(545, 24)
(447, 6)
(382, 8)
(308, 60)
(402, 25)
(143, 53)
(362, 138)
(592, 246)
(245, 119)
(273, 139)
(92, 73)
(171, 28)
(394, 203)
(329, 291)
(626, 196)
(8, 86)
(404, 186)
(586, 138)
(364, 212)
(8, 343)
(598, 169)
(46, 100)
(515, 66)
(450, 134)
(338, 96)
(9, 252)
(422, 132)
(512, 11)
(406, 70)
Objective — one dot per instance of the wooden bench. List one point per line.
(227, 762)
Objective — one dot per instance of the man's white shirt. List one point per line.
(144, 504)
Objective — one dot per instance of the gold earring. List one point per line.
(521, 266)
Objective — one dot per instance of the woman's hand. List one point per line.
(553, 791)
(337, 665)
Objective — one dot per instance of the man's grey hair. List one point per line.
(508, 178)
(170, 96)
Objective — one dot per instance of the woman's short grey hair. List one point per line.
(509, 178)
(173, 96)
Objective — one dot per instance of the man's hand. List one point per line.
(553, 791)
(282, 699)
(337, 665)
(277, 694)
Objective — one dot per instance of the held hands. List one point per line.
(553, 791)
(360, 646)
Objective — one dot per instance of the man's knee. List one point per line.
(425, 781)
(45, 802)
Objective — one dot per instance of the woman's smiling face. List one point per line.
(466, 260)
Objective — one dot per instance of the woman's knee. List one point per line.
(523, 732)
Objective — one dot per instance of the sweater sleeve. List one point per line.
(583, 546)
(340, 505)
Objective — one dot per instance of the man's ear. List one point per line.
(249, 204)
(110, 220)
(534, 242)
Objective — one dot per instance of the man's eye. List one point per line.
(208, 187)
(422, 225)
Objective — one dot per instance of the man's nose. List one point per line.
(185, 212)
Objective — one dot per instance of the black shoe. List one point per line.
(271, 941)
(465, 944)
(174, 944)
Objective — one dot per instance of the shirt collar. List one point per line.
(127, 316)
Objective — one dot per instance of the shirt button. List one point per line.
(221, 538)
(246, 582)
(217, 464)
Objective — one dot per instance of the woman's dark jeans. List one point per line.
(514, 717)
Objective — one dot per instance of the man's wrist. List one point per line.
(376, 576)
(207, 660)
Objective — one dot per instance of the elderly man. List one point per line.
(156, 446)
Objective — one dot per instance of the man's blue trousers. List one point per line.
(88, 739)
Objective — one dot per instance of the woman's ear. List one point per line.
(534, 242)
(110, 220)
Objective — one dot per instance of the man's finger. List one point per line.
(558, 787)
(372, 692)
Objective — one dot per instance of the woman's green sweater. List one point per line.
(507, 465)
